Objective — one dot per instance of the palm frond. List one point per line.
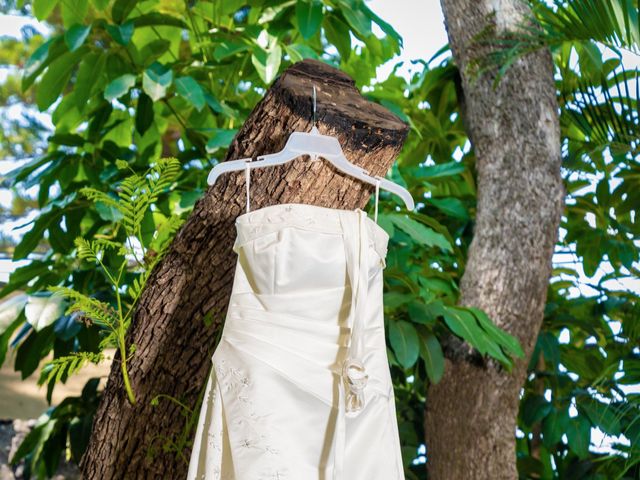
(612, 23)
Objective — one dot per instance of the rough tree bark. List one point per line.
(470, 417)
(173, 343)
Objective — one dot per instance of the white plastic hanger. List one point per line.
(315, 145)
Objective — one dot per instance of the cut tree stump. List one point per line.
(174, 345)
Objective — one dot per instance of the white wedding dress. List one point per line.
(300, 387)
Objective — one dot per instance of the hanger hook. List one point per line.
(314, 158)
(314, 105)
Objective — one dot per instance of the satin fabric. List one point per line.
(306, 296)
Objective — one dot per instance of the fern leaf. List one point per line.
(98, 312)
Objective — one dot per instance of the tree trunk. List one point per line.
(173, 342)
(470, 417)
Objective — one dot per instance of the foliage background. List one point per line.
(127, 83)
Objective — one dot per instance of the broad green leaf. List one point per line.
(421, 313)
(267, 62)
(23, 275)
(579, 435)
(601, 415)
(504, 339)
(441, 170)
(395, 299)
(121, 9)
(354, 15)
(299, 52)
(228, 48)
(420, 232)
(121, 33)
(464, 324)
(450, 206)
(32, 238)
(534, 408)
(157, 18)
(144, 113)
(73, 12)
(88, 80)
(56, 77)
(221, 138)
(8, 334)
(41, 310)
(433, 357)
(10, 310)
(38, 61)
(156, 79)
(43, 8)
(309, 16)
(191, 90)
(404, 341)
(385, 26)
(76, 35)
(119, 86)
(338, 34)
(553, 427)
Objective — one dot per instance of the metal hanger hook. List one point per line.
(314, 158)
(314, 106)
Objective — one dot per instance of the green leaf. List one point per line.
(31, 239)
(156, 79)
(23, 275)
(157, 18)
(56, 77)
(144, 113)
(121, 33)
(221, 138)
(228, 48)
(87, 81)
(119, 86)
(420, 232)
(191, 90)
(7, 334)
(338, 34)
(76, 35)
(441, 170)
(31, 351)
(579, 435)
(309, 16)
(553, 427)
(404, 341)
(504, 339)
(386, 27)
(601, 415)
(267, 62)
(463, 324)
(38, 61)
(42, 309)
(121, 9)
(433, 357)
(450, 206)
(421, 313)
(534, 408)
(10, 310)
(354, 15)
(73, 12)
(299, 52)
(43, 8)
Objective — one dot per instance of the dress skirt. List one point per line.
(300, 387)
